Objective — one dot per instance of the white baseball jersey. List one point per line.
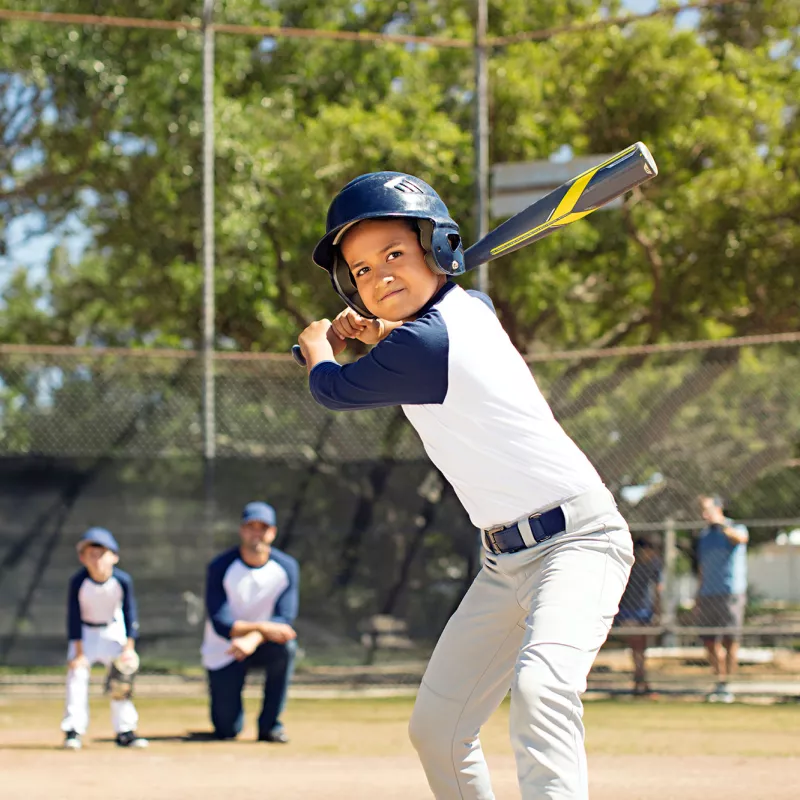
(107, 610)
(236, 591)
(475, 404)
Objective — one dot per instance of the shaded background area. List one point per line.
(163, 179)
(114, 439)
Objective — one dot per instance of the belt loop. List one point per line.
(543, 534)
(525, 532)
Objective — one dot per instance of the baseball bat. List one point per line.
(568, 203)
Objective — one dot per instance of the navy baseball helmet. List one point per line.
(385, 195)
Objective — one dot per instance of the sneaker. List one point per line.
(72, 741)
(725, 697)
(131, 739)
(277, 736)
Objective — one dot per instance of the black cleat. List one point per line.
(131, 739)
(276, 737)
(72, 741)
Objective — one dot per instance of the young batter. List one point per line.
(558, 553)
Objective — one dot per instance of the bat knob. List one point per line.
(297, 355)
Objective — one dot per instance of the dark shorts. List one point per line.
(720, 611)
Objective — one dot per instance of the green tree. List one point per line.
(105, 124)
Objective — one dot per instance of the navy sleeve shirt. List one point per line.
(74, 626)
(473, 401)
(288, 603)
(99, 604)
(409, 367)
(236, 591)
(130, 612)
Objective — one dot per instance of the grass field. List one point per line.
(358, 749)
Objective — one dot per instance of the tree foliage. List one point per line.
(106, 124)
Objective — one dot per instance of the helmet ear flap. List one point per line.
(345, 287)
(425, 229)
(444, 254)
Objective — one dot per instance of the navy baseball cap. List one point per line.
(259, 512)
(99, 536)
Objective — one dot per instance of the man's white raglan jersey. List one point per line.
(475, 404)
(236, 591)
(108, 608)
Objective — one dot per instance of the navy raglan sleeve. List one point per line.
(217, 607)
(409, 367)
(287, 605)
(130, 613)
(74, 627)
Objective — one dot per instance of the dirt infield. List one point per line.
(358, 750)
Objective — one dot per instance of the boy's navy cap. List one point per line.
(99, 536)
(259, 512)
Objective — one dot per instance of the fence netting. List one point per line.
(115, 438)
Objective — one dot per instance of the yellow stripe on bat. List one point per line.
(557, 218)
(574, 194)
(556, 222)
(561, 215)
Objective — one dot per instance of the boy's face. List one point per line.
(387, 263)
(98, 560)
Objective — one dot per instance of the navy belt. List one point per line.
(95, 624)
(543, 526)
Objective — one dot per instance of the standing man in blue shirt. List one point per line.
(722, 564)
(251, 603)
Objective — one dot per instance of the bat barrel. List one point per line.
(571, 201)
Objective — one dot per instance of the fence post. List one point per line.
(208, 327)
(482, 134)
(669, 598)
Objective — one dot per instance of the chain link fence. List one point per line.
(114, 438)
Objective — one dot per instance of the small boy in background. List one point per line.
(102, 627)
(640, 607)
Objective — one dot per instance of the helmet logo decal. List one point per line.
(403, 184)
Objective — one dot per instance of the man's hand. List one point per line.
(349, 324)
(244, 646)
(79, 662)
(278, 632)
(319, 342)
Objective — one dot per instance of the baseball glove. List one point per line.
(123, 669)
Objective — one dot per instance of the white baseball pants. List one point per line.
(532, 621)
(98, 647)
